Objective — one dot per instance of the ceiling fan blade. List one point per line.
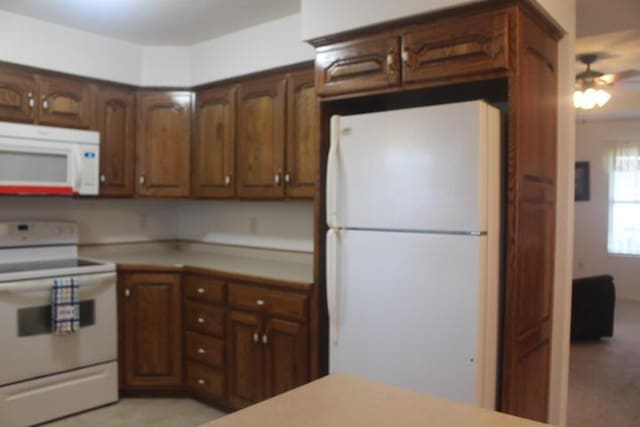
(609, 79)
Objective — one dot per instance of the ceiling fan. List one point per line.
(590, 83)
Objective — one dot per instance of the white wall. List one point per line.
(592, 218)
(281, 225)
(36, 43)
(28, 41)
(100, 221)
(272, 225)
(270, 45)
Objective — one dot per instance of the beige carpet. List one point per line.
(144, 412)
(604, 382)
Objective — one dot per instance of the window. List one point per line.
(624, 199)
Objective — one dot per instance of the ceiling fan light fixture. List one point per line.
(590, 98)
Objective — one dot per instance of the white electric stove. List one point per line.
(45, 376)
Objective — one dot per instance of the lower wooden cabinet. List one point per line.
(150, 331)
(226, 343)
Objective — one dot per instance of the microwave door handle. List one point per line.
(333, 303)
(78, 174)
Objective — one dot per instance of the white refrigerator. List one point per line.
(413, 248)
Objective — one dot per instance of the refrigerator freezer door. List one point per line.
(412, 311)
(414, 169)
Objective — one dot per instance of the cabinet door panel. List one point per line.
(151, 327)
(116, 123)
(65, 102)
(164, 141)
(358, 65)
(245, 360)
(215, 143)
(302, 136)
(459, 46)
(261, 123)
(17, 95)
(286, 356)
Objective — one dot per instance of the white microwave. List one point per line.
(42, 160)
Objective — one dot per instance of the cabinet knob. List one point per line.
(45, 104)
(265, 339)
(127, 293)
(391, 60)
(103, 178)
(201, 381)
(256, 337)
(407, 58)
(202, 351)
(287, 177)
(32, 102)
(142, 179)
(260, 303)
(227, 180)
(201, 290)
(200, 319)
(276, 178)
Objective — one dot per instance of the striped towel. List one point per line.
(65, 306)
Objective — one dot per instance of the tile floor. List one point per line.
(604, 382)
(144, 412)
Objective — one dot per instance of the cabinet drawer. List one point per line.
(278, 303)
(455, 47)
(205, 349)
(206, 319)
(203, 288)
(204, 380)
(358, 65)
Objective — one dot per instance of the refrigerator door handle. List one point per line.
(332, 173)
(333, 237)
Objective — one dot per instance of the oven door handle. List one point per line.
(46, 284)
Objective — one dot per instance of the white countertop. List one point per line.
(261, 263)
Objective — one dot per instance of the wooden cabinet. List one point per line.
(205, 320)
(268, 355)
(214, 145)
(116, 124)
(164, 144)
(302, 135)
(150, 331)
(455, 47)
(261, 138)
(245, 359)
(65, 102)
(367, 63)
(17, 95)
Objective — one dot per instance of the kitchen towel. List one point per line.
(65, 306)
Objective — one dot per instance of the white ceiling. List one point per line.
(155, 22)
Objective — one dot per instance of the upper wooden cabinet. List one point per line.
(261, 138)
(164, 143)
(302, 135)
(213, 156)
(150, 328)
(360, 64)
(455, 47)
(116, 121)
(65, 102)
(17, 95)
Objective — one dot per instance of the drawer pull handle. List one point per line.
(260, 303)
(265, 339)
(200, 319)
(201, 290)
(201, 381)
(256, 338)
(202, 351)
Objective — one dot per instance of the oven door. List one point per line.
(37, 167)
(30, 350)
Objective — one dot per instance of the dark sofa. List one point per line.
(592, 308)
